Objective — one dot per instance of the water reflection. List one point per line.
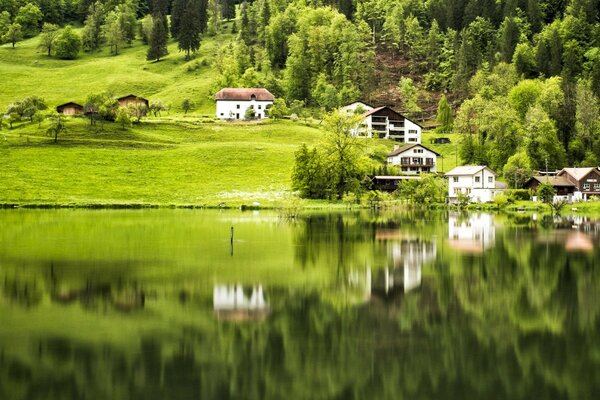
(236, 303)
(471, 233)
(342, 306)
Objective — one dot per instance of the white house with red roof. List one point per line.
(232, 103)
(386, 123)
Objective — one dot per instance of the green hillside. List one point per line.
(26, 71)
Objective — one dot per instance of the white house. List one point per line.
(385, 123)
(413, 158)
(478, 182)
(357, 106)
(232, 103)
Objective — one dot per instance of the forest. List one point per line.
(522, 76)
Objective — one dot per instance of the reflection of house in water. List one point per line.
(576, 233)
(403, 271)
(473, 233)
(235, 303)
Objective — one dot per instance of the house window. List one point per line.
(596, 187)
(237, 106)
(455, 179)
(412, 139)
(416, 160)
(222, 114)
(586, 186)
(259, 107)
(490, 179)
(418, 150)
(456, 190)
(477, 179)
(412, 131)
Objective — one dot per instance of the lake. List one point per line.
(173, 304)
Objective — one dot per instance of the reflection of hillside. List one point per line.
(235, 303)
(473, 233)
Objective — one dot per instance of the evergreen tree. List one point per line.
(92, 30)
(189, 31)
(444, 115)
(177, 10)
(158, 39)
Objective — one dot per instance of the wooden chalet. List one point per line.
(70, 108)
(561, 185)
(585, 180)
(132, 100)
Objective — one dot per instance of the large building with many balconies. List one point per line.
(413, 159)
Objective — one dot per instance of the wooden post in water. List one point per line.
(231, 240)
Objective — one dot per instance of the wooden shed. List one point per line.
(132, 99)
(70, 108)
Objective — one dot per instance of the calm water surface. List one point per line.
(162, 304)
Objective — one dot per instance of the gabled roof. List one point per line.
(132, 95)
(359, 102)
(468, 170)
(577, 173)
(376, 110)
(244, 94)
(402, 149)
(70, 103)
(558, 181)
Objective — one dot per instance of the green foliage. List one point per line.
(517, 170)
(48, 37)
(187, 105)
(518, 195)
(157, 43)
(309, 176)
(29, 17)
(68, 44)
(410, 95)
(546, 192)
(444, 115)
(57, 125)
(123, 118)
(13, 34)
(279, 109)
(430, 189)
(92, 36)
(27, 107)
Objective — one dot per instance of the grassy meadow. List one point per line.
(172, 160)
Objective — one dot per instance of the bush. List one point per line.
(518, 194)
(68, 44)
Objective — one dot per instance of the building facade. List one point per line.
(413, 159)
(234, 103)
(385, 123)
(585, 180)
(477, 182)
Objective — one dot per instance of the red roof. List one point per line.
(244, 94)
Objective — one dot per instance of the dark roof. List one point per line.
(244, 94)
(390, 109)
(408, 147)
(70, 103)
(132, 95)
(559, 181)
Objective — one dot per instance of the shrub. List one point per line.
(518, 194)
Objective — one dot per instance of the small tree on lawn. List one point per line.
(279, 109)
(123, 117)
(187, 105)
(68, 44)
(156, 107)
(57, 125)
(48, 37)
(13, 34)
(444, 115)
(137, 111)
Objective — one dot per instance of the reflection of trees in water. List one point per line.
(520, 321)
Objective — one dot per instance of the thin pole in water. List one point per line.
(231, 240)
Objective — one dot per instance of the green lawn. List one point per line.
(26, 71)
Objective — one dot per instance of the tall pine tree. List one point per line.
(190, 29)
(158, 38)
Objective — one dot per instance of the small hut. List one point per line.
(132, 99)
(70, 108)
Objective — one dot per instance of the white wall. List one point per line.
(414, 137)
(480, 186)
(236, 109)
(477, 230)
(414, 152)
